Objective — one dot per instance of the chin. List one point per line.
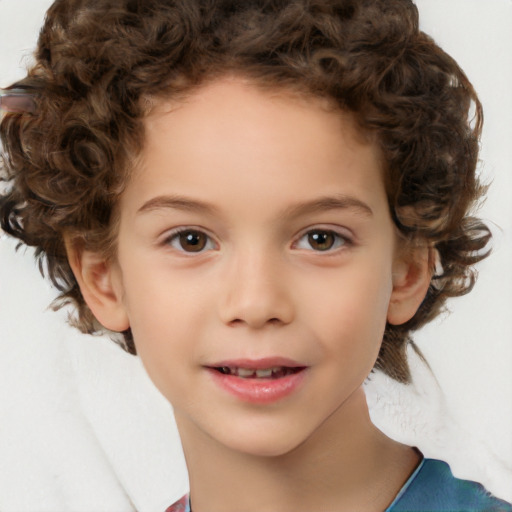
(264, 444)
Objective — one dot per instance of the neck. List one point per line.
(346, 464)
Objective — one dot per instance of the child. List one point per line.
(265, 198)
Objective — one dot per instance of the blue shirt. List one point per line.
(431, 488)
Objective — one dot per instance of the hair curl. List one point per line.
(100, 62)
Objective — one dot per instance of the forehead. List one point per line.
(232, 136)
(249, 96)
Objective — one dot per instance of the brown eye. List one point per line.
(190, 240)
(321, 240)
(193, 241)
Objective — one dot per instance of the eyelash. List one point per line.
(338, 241)
(175, 234)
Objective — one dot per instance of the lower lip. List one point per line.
(259, 391)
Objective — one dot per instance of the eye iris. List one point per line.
(321, 240)
(192, 241)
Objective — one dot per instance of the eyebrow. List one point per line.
(337, 202)
(176, 203)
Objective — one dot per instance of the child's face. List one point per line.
(285, 259)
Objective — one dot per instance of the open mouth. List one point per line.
(275, 372)
(261, 381)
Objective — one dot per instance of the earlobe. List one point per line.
(411, 278)
(100, 286)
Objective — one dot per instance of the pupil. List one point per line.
(192, 241)
(321, 240)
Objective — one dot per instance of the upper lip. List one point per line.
(258, 364)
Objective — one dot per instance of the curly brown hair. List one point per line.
(100, 64)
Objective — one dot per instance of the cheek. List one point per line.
(357, 295)
(164, 352)
(157, 299)
(351, 312)
(163, 320)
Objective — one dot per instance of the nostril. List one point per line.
(238, 321)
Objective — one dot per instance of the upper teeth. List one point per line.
(251, 373)
(263, 373)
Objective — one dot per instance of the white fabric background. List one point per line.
(83, 429)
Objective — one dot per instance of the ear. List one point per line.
(101, 286)
(412, 273)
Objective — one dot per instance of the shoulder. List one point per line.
(433, 487)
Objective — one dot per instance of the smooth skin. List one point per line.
(257, 225)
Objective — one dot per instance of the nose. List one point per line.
(256, 292)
